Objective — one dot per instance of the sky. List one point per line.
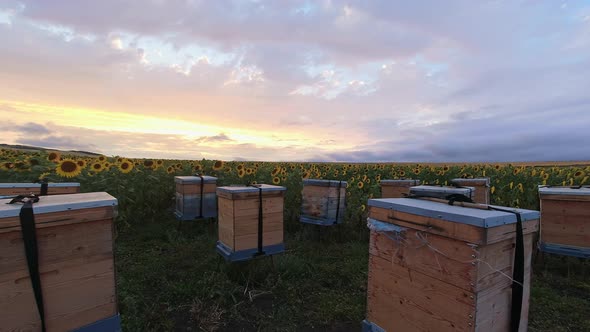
(358, 81)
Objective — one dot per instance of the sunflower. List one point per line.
(241, 173)
(360, 184)
(240, 167)
(402, 173)
(493, 190)
(53, 156)
(276, 180)
(159, 162)
(102, 159)
(97, 167)
(125, 166)
(81, 163)
(218, 165)
(7, 165)
(416, 171)
(170, 170)
(68, 168)
(249, 171)
(148, 163)
(275, 171)
(579, 174)
(44, 175)
(520, 187)
(306, 175)
(198, 168)
(363, 207)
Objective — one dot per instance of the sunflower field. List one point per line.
(145, 187)
(170, 278)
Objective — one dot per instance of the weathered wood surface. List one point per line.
(481, 193)
(10, 189)
(238, 219)
(76, 268)
(328, 203)
(565, 220)
(443, 275)
(396, 188)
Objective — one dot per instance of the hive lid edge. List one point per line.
(59, 203)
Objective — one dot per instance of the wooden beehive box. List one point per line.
(12, 189)
(75, 244)
(441, 192)
(565, 221)
(437, 267)
(481, 185)
(194, 193)
(241, 236)
(397, 188)
(323, 202)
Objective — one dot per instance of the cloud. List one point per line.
(342, 81)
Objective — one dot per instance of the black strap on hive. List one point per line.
(201, 198)
(338, 202)
(260, 251)
(518, 273)
(44, 186)
(27, 224)
(452, 198)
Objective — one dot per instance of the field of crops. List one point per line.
(170, 278)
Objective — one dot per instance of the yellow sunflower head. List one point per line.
(81, 163)
(97, 167)
(198, 168)
(125, 166)
(218, 165)
(276, 180)
(102, 159)
(241, 173)
(148, 163)
(53, 156)
(360, 184)
(170, 170)
(68, 168)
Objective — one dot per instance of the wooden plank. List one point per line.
(565, 222)
(225, 221)
(554, 197)
(249, 195)
(250, 207)
(463, 232)
(494, 304)
(195, 188)
(76, 293)
(394, 192)
(55, 219)
(250, 241)
(400, 299)
(58, 244)
(37, 190)
(454, 267)
(249, 224)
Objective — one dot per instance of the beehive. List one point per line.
(323, 202)
(248, 225)
(441, 192)
(12, 189)
(437, 267)
(565, 221)
(397, 188)
(75, 244)
(481, 187)
(195, 194)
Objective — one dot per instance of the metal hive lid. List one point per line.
(485, 181)
(195, 179)
(245, 189)
(453, 213)
(324, 183)
(58, 203)
(38, 185)
(583, 191)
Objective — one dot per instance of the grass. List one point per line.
(171, 279)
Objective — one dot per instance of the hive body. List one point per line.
(481, 187)
(565, 221)
(397, 188)
(435, 267)
(323, 202)
(239, 221)
(194, 193)
(75, 244)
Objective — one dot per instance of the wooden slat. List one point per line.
(463, 232)
(58, 244)
(565, 222)
(76, 293)
(400, 299)
(37, 190)
(249, 195)
(250, 241)
(250, 207)
(578, 198)
(56, 219)
(411, 252)
(394, 191)
(225, 217)
(195, 188)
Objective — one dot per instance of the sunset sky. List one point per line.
(299, 80)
